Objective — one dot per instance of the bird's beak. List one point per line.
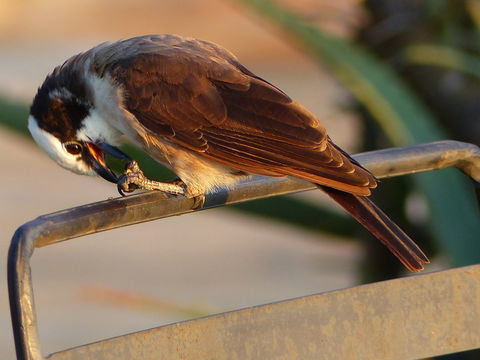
(97, 153)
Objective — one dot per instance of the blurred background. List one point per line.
(376, 73)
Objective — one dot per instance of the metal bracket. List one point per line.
(79, 221)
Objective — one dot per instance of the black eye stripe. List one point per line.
(73, 148)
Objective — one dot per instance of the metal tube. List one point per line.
(423, 157)
(110, 214)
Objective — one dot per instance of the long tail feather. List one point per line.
(381, 226)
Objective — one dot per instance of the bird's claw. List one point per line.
(133, 179)
(198, 202)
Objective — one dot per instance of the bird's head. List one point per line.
(65, 123)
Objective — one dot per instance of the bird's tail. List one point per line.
(380, 225)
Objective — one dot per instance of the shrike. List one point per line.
(194, 108)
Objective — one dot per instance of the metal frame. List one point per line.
(79, 221)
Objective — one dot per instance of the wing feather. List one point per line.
(197, 95)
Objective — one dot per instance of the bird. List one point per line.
(192, 106)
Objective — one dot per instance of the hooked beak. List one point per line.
(97, 152)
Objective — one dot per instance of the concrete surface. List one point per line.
(215, 260)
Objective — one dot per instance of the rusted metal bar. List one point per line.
(110, 214)
(410, 318)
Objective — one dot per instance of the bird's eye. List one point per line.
(73, 148)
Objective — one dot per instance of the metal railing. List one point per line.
(79, 221)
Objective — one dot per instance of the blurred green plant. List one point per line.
(443, 56)
(403, 118)
(13, 115)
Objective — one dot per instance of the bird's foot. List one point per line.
(134, 179)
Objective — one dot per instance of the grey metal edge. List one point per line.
(409, 318)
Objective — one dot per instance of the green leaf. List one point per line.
(443, 56)
(454, 212)
(301, 213)
(13, 115)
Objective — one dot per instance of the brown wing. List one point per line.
(198, 96)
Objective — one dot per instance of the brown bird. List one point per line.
(193, 107)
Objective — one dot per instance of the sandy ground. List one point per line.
(215, 260)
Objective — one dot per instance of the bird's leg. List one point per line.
(198, 200)
(134, 179)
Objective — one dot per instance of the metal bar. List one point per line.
(409, 318)
(425, 157)
(110, 214)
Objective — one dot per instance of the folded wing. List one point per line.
(198, 96)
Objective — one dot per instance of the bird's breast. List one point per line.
(200, 174)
